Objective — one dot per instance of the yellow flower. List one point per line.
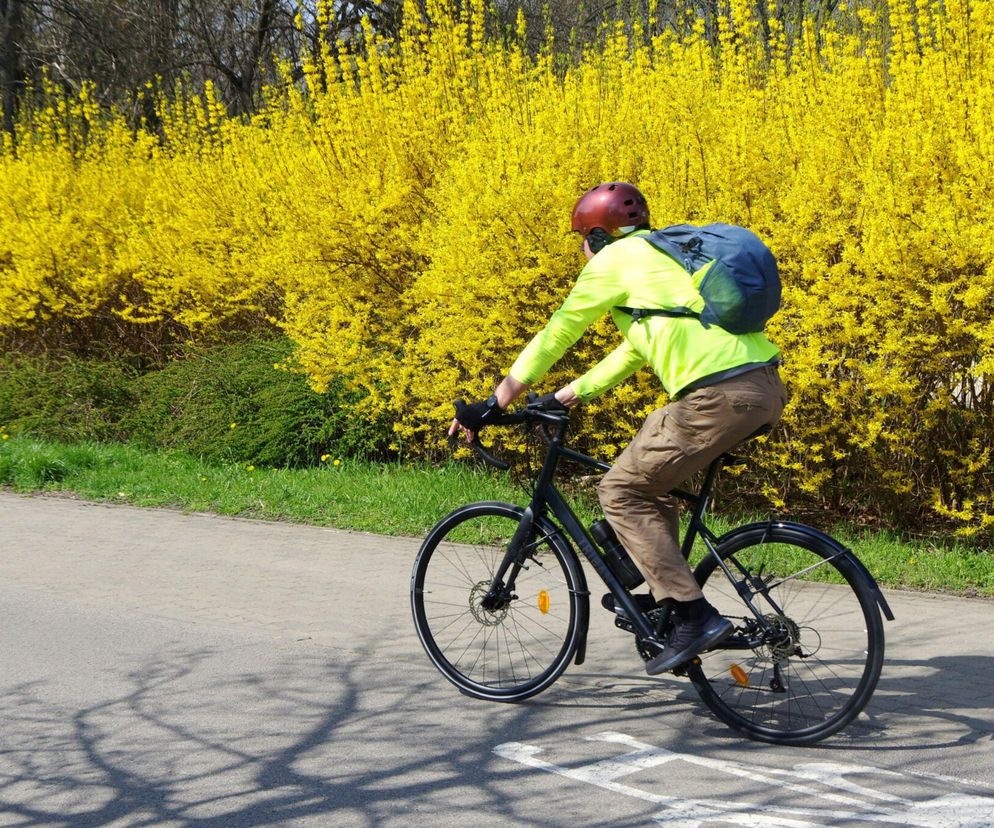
(853, 153)
(324, 457)
(6, 436)
(250, 468)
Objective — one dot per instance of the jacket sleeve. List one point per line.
(596, 291)
(617, 366)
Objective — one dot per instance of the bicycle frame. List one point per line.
(546, 497)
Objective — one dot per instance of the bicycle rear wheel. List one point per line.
(513, 650)
(811, 665)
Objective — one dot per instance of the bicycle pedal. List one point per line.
(681, 670)
(645, 603)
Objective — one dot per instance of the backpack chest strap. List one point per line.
(638, 314)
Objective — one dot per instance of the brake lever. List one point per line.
(542, 428)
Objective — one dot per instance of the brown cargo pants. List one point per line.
(673, 444)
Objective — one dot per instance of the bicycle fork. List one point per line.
(501, 592)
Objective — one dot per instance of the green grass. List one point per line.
(392, 499)
(375, 497)
(225, 403)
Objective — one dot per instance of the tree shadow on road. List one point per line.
(316, 736)
(945, 701)
(319, 736)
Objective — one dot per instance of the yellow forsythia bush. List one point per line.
(403, 215)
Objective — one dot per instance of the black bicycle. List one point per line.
(501, 604)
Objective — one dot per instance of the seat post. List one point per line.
(700, 506)
(704, 496)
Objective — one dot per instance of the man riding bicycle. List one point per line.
(723, 387)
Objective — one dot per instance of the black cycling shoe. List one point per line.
(644, 602)
(688, 639)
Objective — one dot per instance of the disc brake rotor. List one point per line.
(488, 618)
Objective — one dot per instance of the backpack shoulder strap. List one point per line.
(638, 314)
(682, 243)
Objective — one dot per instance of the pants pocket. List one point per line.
(664, 445)
(763, 394)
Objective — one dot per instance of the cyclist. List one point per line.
(722, 388)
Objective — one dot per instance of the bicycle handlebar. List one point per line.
(519, 417)
(487, 458)
(533, 414)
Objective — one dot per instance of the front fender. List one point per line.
(556, 537)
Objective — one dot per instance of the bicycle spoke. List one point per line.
(455, 620)
(524, 650)
(460, 566)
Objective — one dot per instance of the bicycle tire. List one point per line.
(803, 682)
(513, 652)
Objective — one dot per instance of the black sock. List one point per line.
(693, 610)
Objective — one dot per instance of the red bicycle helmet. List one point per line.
(616, 207)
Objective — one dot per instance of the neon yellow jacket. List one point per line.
(681, 351)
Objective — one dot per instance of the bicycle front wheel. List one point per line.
(518, 647)
(809, 665)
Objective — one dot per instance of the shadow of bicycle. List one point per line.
(937, 702)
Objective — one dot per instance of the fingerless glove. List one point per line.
(476, 415)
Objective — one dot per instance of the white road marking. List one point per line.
(736, 769)
(834, 775)
(827, 781)
(691, 812)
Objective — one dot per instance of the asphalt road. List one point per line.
(168, 669)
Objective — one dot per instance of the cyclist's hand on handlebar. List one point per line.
(474, 416)
(547, 402)
(562, 400)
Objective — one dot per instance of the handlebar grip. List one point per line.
(486, 456)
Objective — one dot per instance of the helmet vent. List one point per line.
(629, 202)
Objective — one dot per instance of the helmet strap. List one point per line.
(598, 239)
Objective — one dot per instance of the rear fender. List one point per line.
(799, 531)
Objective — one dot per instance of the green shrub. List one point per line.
(229, 403)
(225, 403)
(65, 397)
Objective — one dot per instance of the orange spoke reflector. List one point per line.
(739, 675)
(543, 602)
